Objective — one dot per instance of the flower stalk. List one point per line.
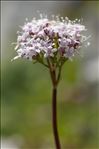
(54, 102)
(54, 118)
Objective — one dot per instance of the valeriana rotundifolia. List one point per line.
(51, 42)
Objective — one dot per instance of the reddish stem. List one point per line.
(52, 70)
(54, 118)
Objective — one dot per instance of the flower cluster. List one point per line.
(58, 37)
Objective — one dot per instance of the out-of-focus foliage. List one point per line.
(26, 93)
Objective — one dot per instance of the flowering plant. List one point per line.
(51, 43)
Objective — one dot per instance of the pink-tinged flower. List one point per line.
(50, 38)
(51, 43)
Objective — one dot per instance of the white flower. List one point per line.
(50, 38)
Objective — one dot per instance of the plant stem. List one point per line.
(52, 70)
(54, 118)
(59, 74)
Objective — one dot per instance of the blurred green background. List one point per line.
(26, 88)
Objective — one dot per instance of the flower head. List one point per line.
(58, 38)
